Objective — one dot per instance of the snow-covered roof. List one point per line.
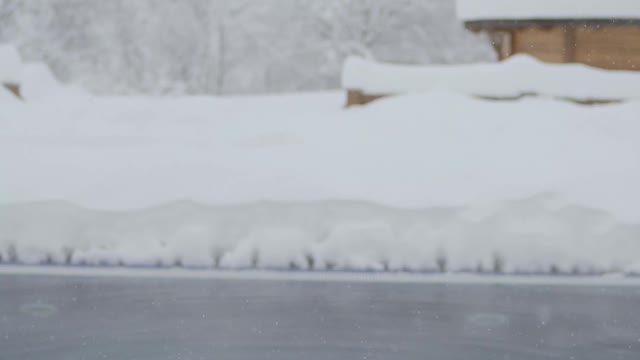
(479, 10)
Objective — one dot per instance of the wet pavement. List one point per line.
(49, 317)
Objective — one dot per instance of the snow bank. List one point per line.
(447, 181)
(540, 234)
(517, 75)
(39, 84)
(547, 9)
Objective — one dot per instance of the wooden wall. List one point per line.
(545, 43)
(605, 46)
(610, 47)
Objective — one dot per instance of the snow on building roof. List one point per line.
(516, 76)
(479, 10)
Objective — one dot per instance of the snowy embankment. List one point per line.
(535, 235)
(514, 77)
(437, 181)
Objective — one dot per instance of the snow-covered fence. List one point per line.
(518, 76)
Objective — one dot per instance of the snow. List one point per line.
(322, 277)
(419, 182)
(547, 9)
(10, 71)
(529, 235)
(39, 84)
(10, 65)
(517, 75)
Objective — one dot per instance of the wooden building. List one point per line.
(599, 33)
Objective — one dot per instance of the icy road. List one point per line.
(50, 317)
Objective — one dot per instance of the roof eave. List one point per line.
(483, 24)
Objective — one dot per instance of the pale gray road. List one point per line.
(125, 318)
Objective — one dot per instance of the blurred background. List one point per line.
(122, 47)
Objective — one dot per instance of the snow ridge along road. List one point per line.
(430, 182)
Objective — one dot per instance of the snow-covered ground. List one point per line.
(421, 182)
(518, 75)
(426, 182)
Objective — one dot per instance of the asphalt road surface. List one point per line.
(49, 317)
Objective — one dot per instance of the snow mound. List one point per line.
(39, 84)
(547, 9)
(423, 150)
(10, 64)
(518, 75)
(436, 175)
(541, 234)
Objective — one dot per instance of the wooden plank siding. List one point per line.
(609, 47)
(614, 45)
(547, 43)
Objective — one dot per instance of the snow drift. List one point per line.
(39, 84)
(516, 76)
(428, 182)
(541, 234)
